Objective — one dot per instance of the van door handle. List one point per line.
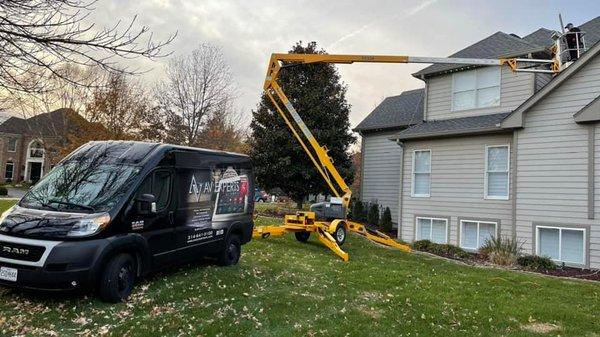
(171, 217)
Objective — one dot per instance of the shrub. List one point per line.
(501, 251)
(3, 190)
(373, 216)
(358, 211)
(386, 220)
(534, 262)
(422, 245)
(441, 249)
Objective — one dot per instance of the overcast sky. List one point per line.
(249, 31)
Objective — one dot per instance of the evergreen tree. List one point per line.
(318, 95)
(386, 220)
(373, 216)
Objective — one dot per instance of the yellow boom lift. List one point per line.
(328, 220)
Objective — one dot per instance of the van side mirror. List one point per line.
(146, 204)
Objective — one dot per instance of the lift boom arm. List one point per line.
(317, 153)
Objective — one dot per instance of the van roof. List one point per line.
(135, 152)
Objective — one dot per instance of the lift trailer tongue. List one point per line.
(332, 233)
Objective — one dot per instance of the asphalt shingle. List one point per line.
(494, 46)
(453, 127)
(541, 37)
(396, 111)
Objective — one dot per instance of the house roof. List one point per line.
(541, 37)
(453, 127)
(395, 111)
(589, 113)
(50, 124)
(592, 31)
(494, 46)
(515, 118)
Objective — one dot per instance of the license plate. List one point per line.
(8, 274)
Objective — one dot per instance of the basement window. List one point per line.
(561, 244)
(473, 234)
(479, 88)
(432, 229)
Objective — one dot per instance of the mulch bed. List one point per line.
(586, 274)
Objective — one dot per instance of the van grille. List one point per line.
(15, 251)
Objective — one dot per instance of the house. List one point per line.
(30, 147)
(499, 153)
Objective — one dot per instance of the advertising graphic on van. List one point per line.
(214, 193)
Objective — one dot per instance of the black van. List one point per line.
(112, 211)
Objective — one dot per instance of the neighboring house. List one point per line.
(30, 147)
(502, 153)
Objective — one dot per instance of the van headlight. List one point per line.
(89, 225)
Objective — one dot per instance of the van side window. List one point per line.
(161, 188)
(158, 184)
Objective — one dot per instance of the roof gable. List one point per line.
(589, 113)
(515, 119)
(395, 112)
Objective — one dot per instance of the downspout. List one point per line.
(362, 165)
(400, 203)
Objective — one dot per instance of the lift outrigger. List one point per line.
(329, 220)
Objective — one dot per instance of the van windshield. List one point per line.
(81, 186)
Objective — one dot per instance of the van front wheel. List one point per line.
(117, 280)
(230, 254)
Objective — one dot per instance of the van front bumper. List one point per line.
(63, 265)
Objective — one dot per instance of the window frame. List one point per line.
(446, 220)
(12, 177)
(479, 222)
(8, 144)
(560, 229)
(413, 174)
(486, 172)
(477, 88)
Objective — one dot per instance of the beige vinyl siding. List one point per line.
(457, 185)
(381, 171)
(514, 89)
(552, 169)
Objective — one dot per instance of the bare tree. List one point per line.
(37, 36)
(195, 87)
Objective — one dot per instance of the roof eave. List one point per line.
(449, 134)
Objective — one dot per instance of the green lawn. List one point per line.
(284, 288)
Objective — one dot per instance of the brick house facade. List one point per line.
(29, 146)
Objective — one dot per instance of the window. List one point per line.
(12, 145)
(36, 150)
(158, 184)
(432, 229)
(479, 88)
(496, 172)
(473, 234)
(561, 244)
(421, 173)
(9, 171)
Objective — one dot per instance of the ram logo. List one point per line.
(14, 250)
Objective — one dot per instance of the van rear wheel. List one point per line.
(231, 253)
(117, 279)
